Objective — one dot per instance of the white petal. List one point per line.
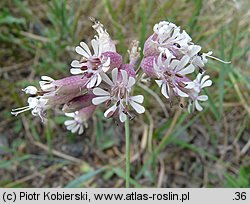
(72, 115)
(95, 46)
(46, 78)
(202, 98)
(180, 93)
(189, 85)
(190, 107)
(76, 71)
(159, 60)
(21, 108)
(204, 79)
(122, 117)
(198, 78)
(167, 61)
(112, 108)
(30, 90)
(138, 108)
(69, 122)
(198, 106)
(99, 79)
(138, 98)
(114, 75)
(124, 76)
(70, 127)
(164, 90)
(81, 130)
(107, 63)
(16, 111)
(33, 102)
(85, 47)
(74, 129)
(76, 63)
(105, 68)
(176, 32)
(99, 100)
(92, 82)
(100, 92)
(187, 70)
(183, 62)
(168, 53)
(82, 52)
(156, 67)
(131, 82)
(195, 49)
(106, 79)
(159, 82)
(207, 84)
(46, 87)
(173, 64)
(42, 101)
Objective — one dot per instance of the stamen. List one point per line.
(83, 68)
(215, 58)
(201, 70)
(110, 114)
(181, 84)
(168, 73)
(83, 60)
(122, 93)
(88, 75)
(199, 54)
(178, 75)
(107, 104)
(177, 45)
(21, 110)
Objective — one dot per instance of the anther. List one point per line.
(108, 102)
(110, 114)
(179, 75)
(181, 84)
(177, 45)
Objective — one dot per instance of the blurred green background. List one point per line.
(175, 149)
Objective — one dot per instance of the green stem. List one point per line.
(127, 138)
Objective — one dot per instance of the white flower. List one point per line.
(119, 93)
(103, 36)
(200, 83)
(200, 59)
(171, 74)
(76, 124)
(36, 104)
(170, 39)
(32, 90)
(90, 64)
(46, 84)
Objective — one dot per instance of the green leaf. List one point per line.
(85, 177)
(7, 163)
(119, 172)
(7, 18)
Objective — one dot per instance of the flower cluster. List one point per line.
(100, 76)
(90, 85)
(170, 57)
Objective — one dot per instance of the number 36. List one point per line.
(240, 196)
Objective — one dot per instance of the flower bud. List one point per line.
(78, 103)
(115, 59)
(150, 48)
(147, 66)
